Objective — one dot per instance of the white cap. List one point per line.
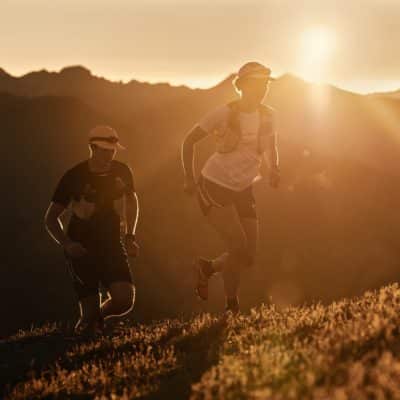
(105, 137)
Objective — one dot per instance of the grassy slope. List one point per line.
(349, 349)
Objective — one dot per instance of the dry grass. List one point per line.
(347, 350)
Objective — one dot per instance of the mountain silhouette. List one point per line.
(330, 230)
(394, 95)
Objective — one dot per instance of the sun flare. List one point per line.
(317, 46)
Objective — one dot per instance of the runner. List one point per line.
(98, 190)
(245, 134)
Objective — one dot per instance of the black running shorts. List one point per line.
(210, 194)
(102, 265)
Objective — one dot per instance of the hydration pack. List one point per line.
(228, 138)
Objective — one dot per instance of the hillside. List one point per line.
(336, 206)
(349, 349)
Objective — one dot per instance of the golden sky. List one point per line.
(353, 44)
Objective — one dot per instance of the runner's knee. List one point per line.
(239, 252)
(243, 256)
(237, 244)
(123, 300)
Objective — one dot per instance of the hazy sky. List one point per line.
(354, 43)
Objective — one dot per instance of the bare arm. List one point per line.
(55, 229)
(132, 216)
(272, 154)
(194, 136)
(53, 224)
(270, 162)
(132, 212)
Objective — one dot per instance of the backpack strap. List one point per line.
(266, 111)
(233, 119)
(234, 105)
(266, 127)
(266, 122)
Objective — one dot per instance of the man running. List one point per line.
(99, 190)
(245, 134)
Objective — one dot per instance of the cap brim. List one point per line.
(109, 146)
(258, 76)
(261, 77)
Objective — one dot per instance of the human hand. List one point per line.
(131, 246)
(74, 249)
(274, 178)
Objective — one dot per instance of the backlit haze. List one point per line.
(352, 44)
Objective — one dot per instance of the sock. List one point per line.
(232, 303)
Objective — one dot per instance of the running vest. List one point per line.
(228, 138)
(89, 201)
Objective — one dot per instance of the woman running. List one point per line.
(246, 139)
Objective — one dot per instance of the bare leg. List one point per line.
(250, 227)
(220, 262)
(226, 223)
(90, 312)
(121, 300)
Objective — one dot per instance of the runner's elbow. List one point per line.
(194, 136)
(49, 219)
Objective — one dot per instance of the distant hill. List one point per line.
(125, 101)
(323, 233)
(389, 95)
(146, 107)
(346, 350)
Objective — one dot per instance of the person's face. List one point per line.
(254, 89)
(103, 155)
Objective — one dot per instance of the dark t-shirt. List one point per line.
(93, 196)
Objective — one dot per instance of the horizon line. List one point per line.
(209, 86)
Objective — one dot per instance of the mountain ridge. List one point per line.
(80, 71)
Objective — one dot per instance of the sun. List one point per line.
(318, 43)
(316, 48)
